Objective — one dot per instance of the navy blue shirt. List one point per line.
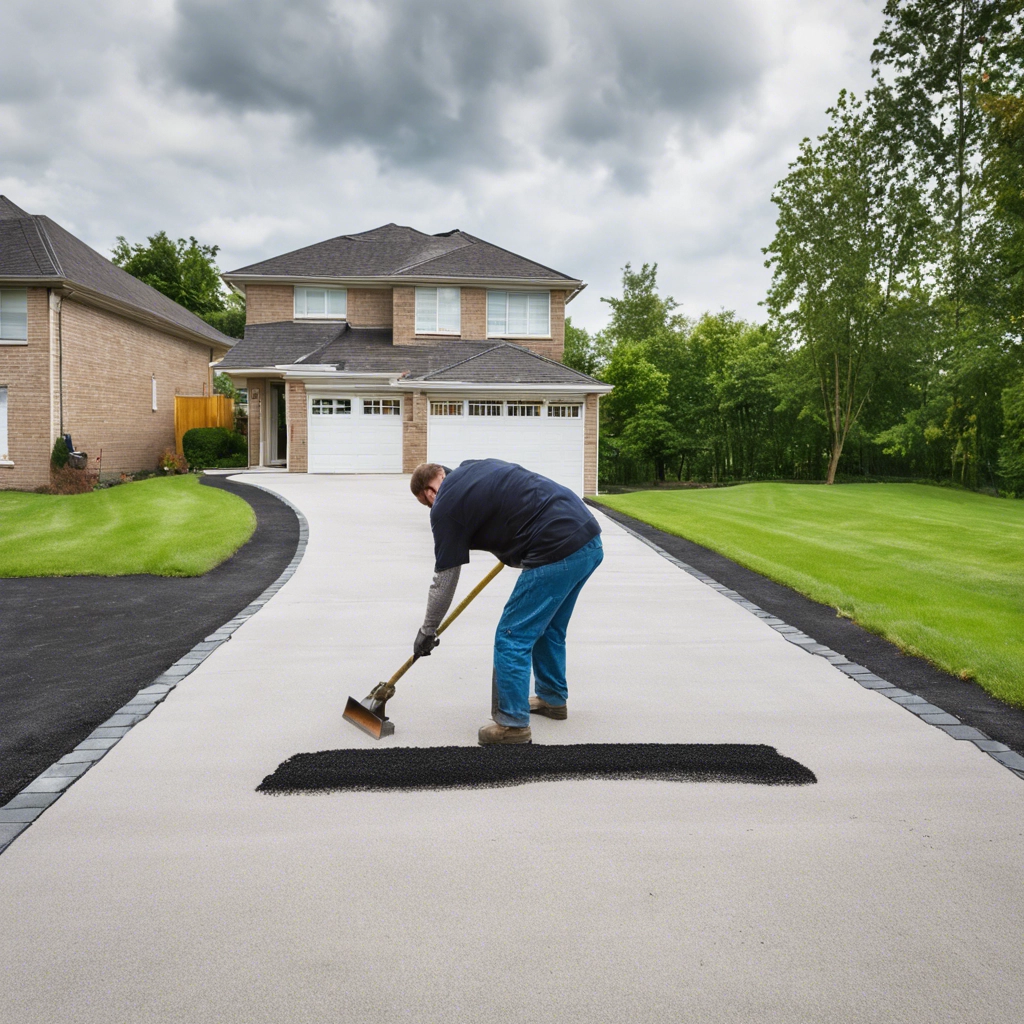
(524, 519)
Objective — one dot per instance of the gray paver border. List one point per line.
(930, 713)
(26, 806)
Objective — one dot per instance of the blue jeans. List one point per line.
(532, 631)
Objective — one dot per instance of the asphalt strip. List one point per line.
(424, 768)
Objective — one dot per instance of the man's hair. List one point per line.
(422, 475)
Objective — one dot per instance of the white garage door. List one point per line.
(545, 437)
(355, 434)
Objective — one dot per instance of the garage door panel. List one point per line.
(354, 442)
(549, 445)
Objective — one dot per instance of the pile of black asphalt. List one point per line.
(425, 768)
(73, 649)
(960, 697)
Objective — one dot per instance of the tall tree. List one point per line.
(185, 271)
(849, 224)
(584, 351)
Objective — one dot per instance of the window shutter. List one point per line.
(497, 310)
(518, 322)
(426, 310)
(449, 310)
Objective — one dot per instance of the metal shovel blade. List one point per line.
(363, 718)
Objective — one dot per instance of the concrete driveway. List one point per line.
(162, 887)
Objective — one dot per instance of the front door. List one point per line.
(278, 426)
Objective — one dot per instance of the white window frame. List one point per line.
(301, 303)
(15, 330)
(447, 407)
(428, 311)
(526, 410)
(486, 407)
(565, 410)
(331, 407)
(4, 453)
(497, 320)
(154, 392)
(382, 407)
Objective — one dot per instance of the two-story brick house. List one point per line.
(87, 349)
(373, 352)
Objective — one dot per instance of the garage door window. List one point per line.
(485, 408)
(332, 406)
(446, 408)
(523, 409)
(564, 412)
(382, 407)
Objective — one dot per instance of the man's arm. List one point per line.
(439, 600)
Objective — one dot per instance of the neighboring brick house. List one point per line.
(89, 350)
(377, 351)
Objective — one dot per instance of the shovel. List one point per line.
(368, 714)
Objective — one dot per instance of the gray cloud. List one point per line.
(459, 82)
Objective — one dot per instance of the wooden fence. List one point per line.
(215, 411)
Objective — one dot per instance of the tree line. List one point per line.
(892, 345)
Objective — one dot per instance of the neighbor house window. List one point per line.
(485, 408)
(565, 412)
(3, 424)
(519, 314)
(382, 407)
(13, 314)
(438, 311)
(445, 408)
(332, 406)
(523, 409)
(321, 303)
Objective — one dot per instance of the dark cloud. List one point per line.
(460, 82)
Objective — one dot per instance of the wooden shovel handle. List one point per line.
(460, 608)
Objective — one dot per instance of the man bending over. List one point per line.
(529, 522)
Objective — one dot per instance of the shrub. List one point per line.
(214, 447)
(172, 462)
(68, 480)
(59, 455)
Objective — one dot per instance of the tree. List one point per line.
(1011, 453)
(846, 246)
(641, 313)
(185, 271)
(584, 351)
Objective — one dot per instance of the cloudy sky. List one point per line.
(580, 133)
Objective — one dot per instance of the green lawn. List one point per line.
(166, 526)
(938, 572)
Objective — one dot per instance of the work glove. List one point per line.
(424, 644)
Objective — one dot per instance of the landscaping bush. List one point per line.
(172, 462)
(214, 447)
(59, 455)
(68, 480)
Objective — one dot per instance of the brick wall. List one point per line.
(109, 366)
(25, 372)
(414, 431)
(591, 412)
(370, 307)
(255, 386)
(474, 314)
(298, 426)
(269, 303)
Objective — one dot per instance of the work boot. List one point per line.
(495, 733)
(542, 707)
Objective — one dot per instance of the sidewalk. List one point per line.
(162, 887)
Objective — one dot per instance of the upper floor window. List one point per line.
(321, 303)
(13, 314)
(519, 314)
(438, 311)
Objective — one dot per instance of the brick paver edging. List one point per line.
(930, 713)
(45, 789)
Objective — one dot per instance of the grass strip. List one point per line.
(937, 571)
(165, 526)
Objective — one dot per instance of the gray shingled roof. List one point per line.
(33, 246)
(396, 251)
(369, 350)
